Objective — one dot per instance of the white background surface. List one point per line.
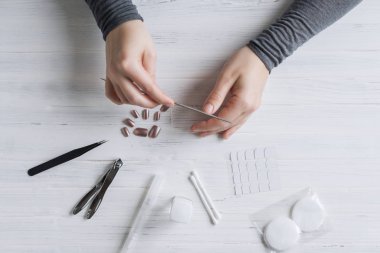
(321, 110)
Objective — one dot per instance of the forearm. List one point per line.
(303, 20)
(111, 13)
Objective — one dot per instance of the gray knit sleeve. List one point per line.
(111, 13)
(303, 20)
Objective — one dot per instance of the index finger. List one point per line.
(143, 79)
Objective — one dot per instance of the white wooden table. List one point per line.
(321, 111)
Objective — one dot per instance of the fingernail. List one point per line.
(171, 103)
(208, 108)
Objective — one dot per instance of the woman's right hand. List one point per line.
(131, 67)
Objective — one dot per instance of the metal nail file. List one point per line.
(201, 112)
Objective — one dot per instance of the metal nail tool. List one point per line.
(164, 108)
(96, 194)
(202, 112)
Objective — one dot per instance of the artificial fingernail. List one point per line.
(157, 116)
(135, 114)
(142, 132)
(208, 108)
(145, 114)
(125, 131)
(129, 122)
(164, 108)
(154, 131)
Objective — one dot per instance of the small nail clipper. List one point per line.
(96, 194)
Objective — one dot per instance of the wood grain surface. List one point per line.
(321, 111)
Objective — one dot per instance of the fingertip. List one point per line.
(161, 98)
(225, 136)
(208, 108)
(170, 102)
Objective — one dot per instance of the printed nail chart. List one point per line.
(254, 170)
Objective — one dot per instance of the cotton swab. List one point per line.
(207, 197)
(203, 200)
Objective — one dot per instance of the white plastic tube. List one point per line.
(203, 200)
(144, 207)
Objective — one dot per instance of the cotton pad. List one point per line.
(281, 233)
(182, 210)
(308, 213)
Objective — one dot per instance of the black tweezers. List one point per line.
(63, 158)
(97, 192)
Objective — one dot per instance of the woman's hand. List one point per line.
(131, 67)
(237, 93)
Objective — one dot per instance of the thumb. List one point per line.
(218, 94)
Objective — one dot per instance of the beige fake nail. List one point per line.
(154, 131)
(157, 116)
(125, 131)
(145, 114)
(135, 114)
(129, 122)
(142, 132)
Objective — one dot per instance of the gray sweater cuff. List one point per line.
(111, 13)
(303, 20)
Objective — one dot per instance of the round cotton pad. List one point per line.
(281, 233)
(309, 214)
(182, 209)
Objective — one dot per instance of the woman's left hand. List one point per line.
(237, 93)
